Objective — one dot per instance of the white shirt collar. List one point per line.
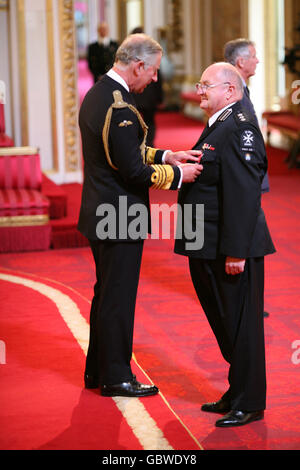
(115, 76)
(215, 116)
(105, 41)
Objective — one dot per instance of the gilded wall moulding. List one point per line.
(69, 83)
(4, 5)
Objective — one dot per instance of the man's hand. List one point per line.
(190, 171)
(176, 158)
(234, 265)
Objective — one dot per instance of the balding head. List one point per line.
(224, 86)
(227, 73)
(103, 29)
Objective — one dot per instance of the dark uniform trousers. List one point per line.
(112, 310)
(236, 328)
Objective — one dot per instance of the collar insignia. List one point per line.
(225, 114)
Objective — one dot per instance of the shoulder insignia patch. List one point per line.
(225, 114)
(247, 139)
(125, 123)
(241, 117)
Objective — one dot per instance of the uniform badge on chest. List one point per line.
(206, 146)
(125, 123)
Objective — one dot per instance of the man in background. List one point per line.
(241, 53)
(101, 54)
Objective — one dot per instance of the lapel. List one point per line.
(206, 131)
(247, 92)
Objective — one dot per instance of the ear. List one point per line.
(240, 62)
(230, 92)
(138, 67)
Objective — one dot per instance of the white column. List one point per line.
(93, 15)
(5, 75)
(257, 34)
(38, 85)
(111, 17)
(154, 16)
(15, 76)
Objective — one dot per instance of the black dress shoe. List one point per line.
(239, 418)
(220, 406)
(133, 388)
(90, 381)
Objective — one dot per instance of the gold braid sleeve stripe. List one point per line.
(162, 177)
(150, 155)
(119, 103)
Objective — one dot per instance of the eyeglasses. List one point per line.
(205, 86)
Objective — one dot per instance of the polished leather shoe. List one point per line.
(133, 388)
(90, 381)
(239, 418)
(221, 406)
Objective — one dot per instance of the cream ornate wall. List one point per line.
(43, 83)
(39, 61)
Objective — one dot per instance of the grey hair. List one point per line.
(237, 48)
(138, 47)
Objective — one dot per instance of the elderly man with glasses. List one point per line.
(228, 270)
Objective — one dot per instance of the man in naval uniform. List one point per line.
(228, 270)
(118, 171)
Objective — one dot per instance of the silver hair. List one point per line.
(138, 47)
(237, 48)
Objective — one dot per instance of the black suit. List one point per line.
(147, 103)
(229, 186)
(117, 165)
(101, 57)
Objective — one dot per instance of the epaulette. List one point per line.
(118, 100)
(119, 103)
(225, 114)
(241, 116)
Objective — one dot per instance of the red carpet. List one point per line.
(42, 401)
